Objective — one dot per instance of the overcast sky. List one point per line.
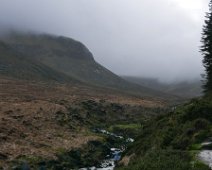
(147, 38)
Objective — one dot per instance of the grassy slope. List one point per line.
(41, 121)
(183, 89)
(75, 60)
(169, 141)
(19, 66)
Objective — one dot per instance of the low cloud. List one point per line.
(138, 37)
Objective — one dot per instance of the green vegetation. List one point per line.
(24, 162)
(91, 154)
(165, 160)
(206, 49)
(131, 130)
(170, 140)
(163, 141)
(85, 117)
(132, 126)
(103, 114)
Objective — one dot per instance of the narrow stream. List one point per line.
(206, 155)
(115, 153)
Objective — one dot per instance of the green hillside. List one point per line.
(71, 58)
(17, 65)
(185, 89)
(172, 141)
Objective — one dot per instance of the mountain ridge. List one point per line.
(71, 59)
(184, 89)
(17, 65)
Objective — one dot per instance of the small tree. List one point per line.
(206, 49)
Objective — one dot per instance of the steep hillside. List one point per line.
(185, 89)
(17, 65)
(73, 59)
(63, 54)
(173, 141)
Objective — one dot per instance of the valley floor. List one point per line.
(40, 121)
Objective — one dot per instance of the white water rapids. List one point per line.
(109, 164)
(206, 155)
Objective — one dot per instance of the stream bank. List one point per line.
(95, 155)
(205, 154)
(110, 160)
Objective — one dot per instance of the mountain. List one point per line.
(48, 125)
(62, 59)
(17, 65)
(65, 55)
(53, 95)
(185, 89)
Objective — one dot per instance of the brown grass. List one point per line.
(28, 124)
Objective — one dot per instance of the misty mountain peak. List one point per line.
(37, 45)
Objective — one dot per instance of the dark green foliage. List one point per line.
(165, 160)
(126, 129)
(105, 115)
(91, 154)
(200, 166)
(206, 49)
(166, 142)
(198, 109)
(189, 124)
(32, 162)
(161, 160)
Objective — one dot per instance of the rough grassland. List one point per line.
(40, 120)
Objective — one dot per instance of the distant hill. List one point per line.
(185, 89)
(62, 59)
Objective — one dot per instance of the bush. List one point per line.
(160, 160)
